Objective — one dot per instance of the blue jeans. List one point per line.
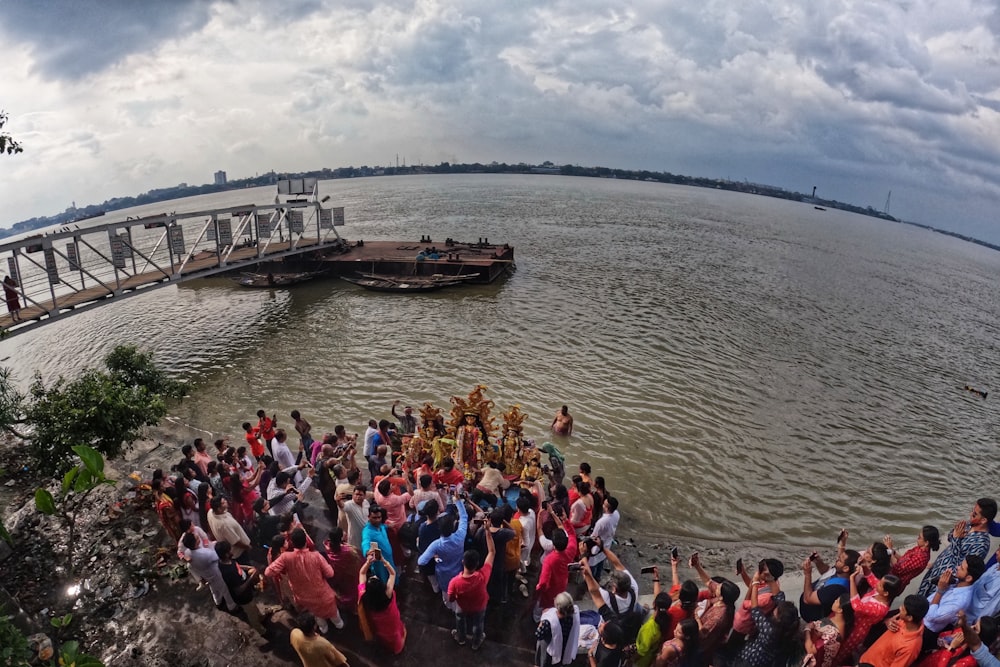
(598, 570)
(470, 624)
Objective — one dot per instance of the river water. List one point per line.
(741, 369)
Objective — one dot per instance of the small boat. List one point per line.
(437, 277)
(398, 284)
(819, 208)
(274, 279)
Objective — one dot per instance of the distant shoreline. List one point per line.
(74, 214)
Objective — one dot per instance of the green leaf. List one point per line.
(84, 481)
(67, 483)
(44, 502)
(91, 458)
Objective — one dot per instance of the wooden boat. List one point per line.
(400, 284)
(819, 208)
(274, 279)
(437, 277)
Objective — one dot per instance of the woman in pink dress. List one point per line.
(346, 562)
(308, 572)
(378, 606)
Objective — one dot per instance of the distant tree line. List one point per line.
(545, 168)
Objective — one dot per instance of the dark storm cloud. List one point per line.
(70, 39)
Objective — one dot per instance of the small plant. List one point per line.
(77, 484)
(70, 656)
(14, 649)
(60, 623)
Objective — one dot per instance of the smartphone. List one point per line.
(373, 546)
(813, 556)
(739, 566)
(674, 553)
(649, 569)
(842, 536)
(762, 567)
(574, 567)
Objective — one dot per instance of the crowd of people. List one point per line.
(480, 538)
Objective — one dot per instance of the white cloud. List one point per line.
(114, 98)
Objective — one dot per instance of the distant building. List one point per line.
(220, 178)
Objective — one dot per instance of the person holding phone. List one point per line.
(468, 592)
(716, 620)
(818, 596)
(378, 605)
(555, 566)
(774, 568)
(447, 551)
(376, 537)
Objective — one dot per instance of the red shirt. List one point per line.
(911, 564)
(470, 592)
(266, 428)
(449, 478)
(555, 571)
(256, 448)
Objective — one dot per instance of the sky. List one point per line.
(856, 97)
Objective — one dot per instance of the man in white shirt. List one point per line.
(226, 528)
(355, 513)
(369, 451)
(282, 494)
(282, 454)
(204, 564)
(605, 529)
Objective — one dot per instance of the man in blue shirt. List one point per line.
(447, 550)
(954, 594)
(375, 533)
(986, 592)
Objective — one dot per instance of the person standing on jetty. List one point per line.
(10, 296)
(967, 538)
(562, 423)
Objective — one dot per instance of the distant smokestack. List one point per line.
(814, 191)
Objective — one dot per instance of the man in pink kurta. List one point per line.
(308, 572)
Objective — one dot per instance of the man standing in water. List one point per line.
(407, 422)
(562, 424)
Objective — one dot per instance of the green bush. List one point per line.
(105, 410)
(14, 649)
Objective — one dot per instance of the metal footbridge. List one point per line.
(85, 265)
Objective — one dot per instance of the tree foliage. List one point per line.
(7, 143)
(135, 368)
(102, 409)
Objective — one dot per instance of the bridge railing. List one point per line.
(91, 261)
